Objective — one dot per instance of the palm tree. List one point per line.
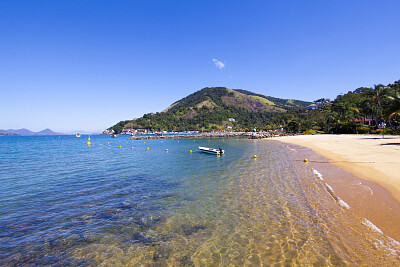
(377, 94)
(334, 118)
(393, 111)
(365, 108)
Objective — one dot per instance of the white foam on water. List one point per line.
(343, 204)
(329, 188)
(369, 188)
(372, 226)
(291, 148)
(318, 174)
(392, 247)
(394, 243)
(338, 200)
(372, 192)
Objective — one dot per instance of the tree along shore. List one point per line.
(249, 135)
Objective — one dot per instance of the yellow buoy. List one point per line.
(148, 148)
(108, 145)
(255, 156)
(166, 149)
(190, 151)
(178, 141)
(305, 160)
(119, 146)
(223, 139)
(132, 147)
(88, 143)
(100, 144)
(145, 142)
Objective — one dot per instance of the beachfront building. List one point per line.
(141, 131)
(109, 131)
(128, 131)
(365, 121)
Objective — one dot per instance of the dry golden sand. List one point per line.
(368, 157)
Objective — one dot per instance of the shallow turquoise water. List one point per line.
(56, 189)
(64, 203)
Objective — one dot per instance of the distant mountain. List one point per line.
(22, 131)
(46, 132)
(26, 132)
(216, 108)
(4, 133)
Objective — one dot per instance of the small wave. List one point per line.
(338, 200)
(372, 226)
(343, 204)
(372, 192)
(291, 148)
(329, 188)
(391, 246)
(318, 174)
(369, 188)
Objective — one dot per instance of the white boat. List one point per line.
(214, 151)
(78, 135)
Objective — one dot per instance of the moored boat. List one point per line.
(78, 135)
(214, 151)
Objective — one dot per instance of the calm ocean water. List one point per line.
(64, 203)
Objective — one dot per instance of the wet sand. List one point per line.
(363, 171)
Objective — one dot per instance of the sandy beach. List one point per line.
(368, 157)
(362, 169)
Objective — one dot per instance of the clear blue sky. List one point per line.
(71, 65)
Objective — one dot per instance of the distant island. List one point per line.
(26, 132)
(364, 110)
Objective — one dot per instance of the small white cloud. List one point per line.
(218, 63)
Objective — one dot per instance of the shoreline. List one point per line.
(366, 156)
(349, 164)
(249, 135)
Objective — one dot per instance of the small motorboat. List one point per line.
(113, 135)
(214, 151)
(78, 135)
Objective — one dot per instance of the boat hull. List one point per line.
(211, 150)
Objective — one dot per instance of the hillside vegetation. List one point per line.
(364, 110)
(210, 108)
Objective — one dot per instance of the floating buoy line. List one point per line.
(167, 150)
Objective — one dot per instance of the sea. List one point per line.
(164, 203)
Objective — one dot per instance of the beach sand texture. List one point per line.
(368, 157)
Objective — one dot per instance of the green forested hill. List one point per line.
(283, 103)
(364, 110)
(211, 108)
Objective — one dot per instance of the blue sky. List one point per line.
(71, 65)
